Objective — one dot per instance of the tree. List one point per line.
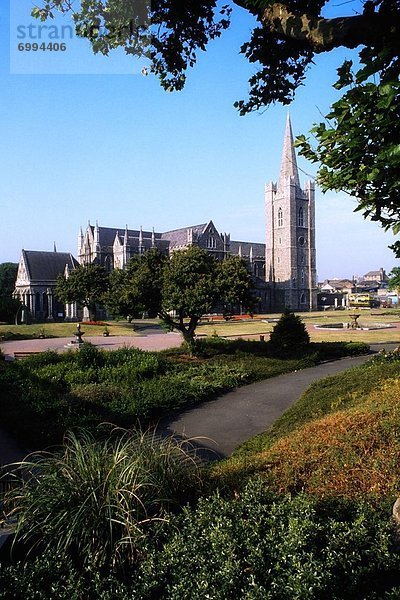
(137, 289)
(180, 290)
(359, 150)
(189, 290)
(289, 337)
(86, 285)
(394, 279)
(8, 305)
(234, 281)
(359, 146)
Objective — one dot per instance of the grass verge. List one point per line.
(340, 439)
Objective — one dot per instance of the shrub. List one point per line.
(289, 336)
(263, 547)
(94, 500)
(256, 546)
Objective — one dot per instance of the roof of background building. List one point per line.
(258, 249)
(179, 237)
(47, 266)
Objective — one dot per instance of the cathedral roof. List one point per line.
(107, 234)
(179, 237)
(46, 266)
(258, 249)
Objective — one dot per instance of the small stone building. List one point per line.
(36, 279)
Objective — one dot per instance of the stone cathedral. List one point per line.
(283, 269)
(290, 257)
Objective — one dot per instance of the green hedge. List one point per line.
(256, 547)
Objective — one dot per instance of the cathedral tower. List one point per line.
(290, 249)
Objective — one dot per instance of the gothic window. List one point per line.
(303, 299)
(280, 217)
(211, 242)
(301, 217)
(302, 277)
(107, 263)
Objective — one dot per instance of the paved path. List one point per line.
(154, 341)
(235, 417)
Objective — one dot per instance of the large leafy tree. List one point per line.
(359, 149)
(8, 305)
(180, 290)
(85, 285)
(235, 285)
(394, 279)
(137, 289)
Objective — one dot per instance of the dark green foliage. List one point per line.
(45, 394)
(137, 289)
(256, 546)
(86, 285)
(187, 286)
(358, 144)
(8, 305)
(394, 279)
(289, 336)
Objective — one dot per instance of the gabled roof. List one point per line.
(179, 237)
(379, 274)
(107, 234)
(258, 249)
(46, 266)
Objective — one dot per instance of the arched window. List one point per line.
(280, 217)
(302, 277)
(301, 217)
(303, 299)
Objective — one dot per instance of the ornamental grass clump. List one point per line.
(96, 500)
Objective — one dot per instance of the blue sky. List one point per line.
(119, 149)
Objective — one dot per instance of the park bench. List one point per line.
(20, 355)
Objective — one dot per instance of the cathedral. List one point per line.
(283, 269)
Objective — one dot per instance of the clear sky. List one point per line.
(118, 149)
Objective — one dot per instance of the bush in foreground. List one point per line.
(256, 546)
(95, 499)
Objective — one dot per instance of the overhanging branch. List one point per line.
(325, 34)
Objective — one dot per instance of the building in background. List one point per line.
(283, 269)
(290, 248)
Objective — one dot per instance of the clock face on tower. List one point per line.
(301, 241)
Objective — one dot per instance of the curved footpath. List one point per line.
(225, 423)
(222, 424)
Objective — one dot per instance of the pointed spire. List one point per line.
(288, 162)
(141, 247)
(240, 250)
(126, 236)
(54, 247)
(153, 238)
(251, 253)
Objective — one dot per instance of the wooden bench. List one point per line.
(20, 355)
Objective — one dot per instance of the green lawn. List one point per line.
(260, 326)
(54, 330)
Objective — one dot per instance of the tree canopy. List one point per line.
(179, 290)
(358, 146)
(85, 285)
(8, 305)
(394, 279)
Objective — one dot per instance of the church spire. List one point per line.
(288, 162)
